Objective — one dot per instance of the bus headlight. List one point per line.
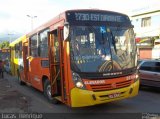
(136, 77)
(79, 84)
(77, 81)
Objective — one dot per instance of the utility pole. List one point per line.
(31, 17)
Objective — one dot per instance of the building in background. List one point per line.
(146, 23)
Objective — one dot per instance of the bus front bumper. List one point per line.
(81, 98)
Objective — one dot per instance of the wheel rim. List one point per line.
(49, 91)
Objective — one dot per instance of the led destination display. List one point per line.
(101, 16)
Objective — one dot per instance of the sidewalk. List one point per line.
(11, 101)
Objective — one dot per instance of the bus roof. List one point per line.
(95, 10)
(62, 17)
(17, 40)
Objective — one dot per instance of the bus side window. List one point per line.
(33, 46)
(43, 44)
(56, 47)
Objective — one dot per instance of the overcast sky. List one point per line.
(13, 13)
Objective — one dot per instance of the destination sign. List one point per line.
(94, 16)
(97, 17)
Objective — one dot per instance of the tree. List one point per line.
(4, 44)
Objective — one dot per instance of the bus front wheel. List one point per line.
(47, 92)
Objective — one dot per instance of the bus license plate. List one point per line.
(115, 95)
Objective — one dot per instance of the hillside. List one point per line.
(10, 38)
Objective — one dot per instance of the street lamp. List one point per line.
(32, 17)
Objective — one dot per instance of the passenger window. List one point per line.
(17, 49)
(157, 67)
(43, 44)
(158, 64)
(56, 47)
(147, 66)
(33, 46)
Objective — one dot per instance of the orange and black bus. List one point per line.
(82, 58)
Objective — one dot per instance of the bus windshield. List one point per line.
(102, 48)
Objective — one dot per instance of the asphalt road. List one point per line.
(148, 100)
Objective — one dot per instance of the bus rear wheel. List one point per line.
(19, 79)
(47, 92)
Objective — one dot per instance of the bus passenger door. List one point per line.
(25, 61)
(61, 52)
(56, 65)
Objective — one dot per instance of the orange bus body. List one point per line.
(51, 73)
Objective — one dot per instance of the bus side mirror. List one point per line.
(66, 31)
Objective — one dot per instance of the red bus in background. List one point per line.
(5, 57)
(5, 54)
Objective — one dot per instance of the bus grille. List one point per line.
(111, 86)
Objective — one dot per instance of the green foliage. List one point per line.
(4, 44)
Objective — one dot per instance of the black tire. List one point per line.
(19, 79)
(47, 92)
